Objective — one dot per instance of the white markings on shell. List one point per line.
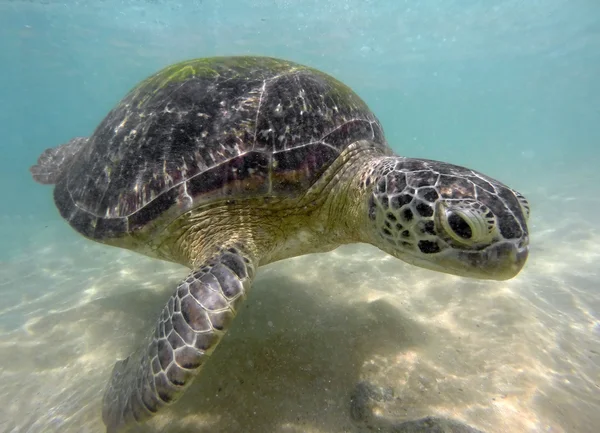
(130, 136)
(304, 106)
(186, 195)
(260, 98)
(121, 125)
(278, 111)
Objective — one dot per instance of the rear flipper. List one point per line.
(53, 162)
(189, 328)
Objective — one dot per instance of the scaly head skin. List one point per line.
(445, 218)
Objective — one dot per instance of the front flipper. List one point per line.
(189, 328)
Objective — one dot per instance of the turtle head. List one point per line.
(446, 218)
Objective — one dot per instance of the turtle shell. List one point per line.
(210, 129)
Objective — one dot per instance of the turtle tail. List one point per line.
(53, 162)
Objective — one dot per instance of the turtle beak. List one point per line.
(500, 262)
(519, 257)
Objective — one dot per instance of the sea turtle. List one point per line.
(225, 164)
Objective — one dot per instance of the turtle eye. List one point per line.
(459, 226)
(468, 223)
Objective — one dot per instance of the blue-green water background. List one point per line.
(510, 88)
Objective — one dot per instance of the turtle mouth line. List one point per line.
(500, 262)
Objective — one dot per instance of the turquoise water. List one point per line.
(509, 88)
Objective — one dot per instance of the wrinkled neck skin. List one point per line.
(331, 213)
